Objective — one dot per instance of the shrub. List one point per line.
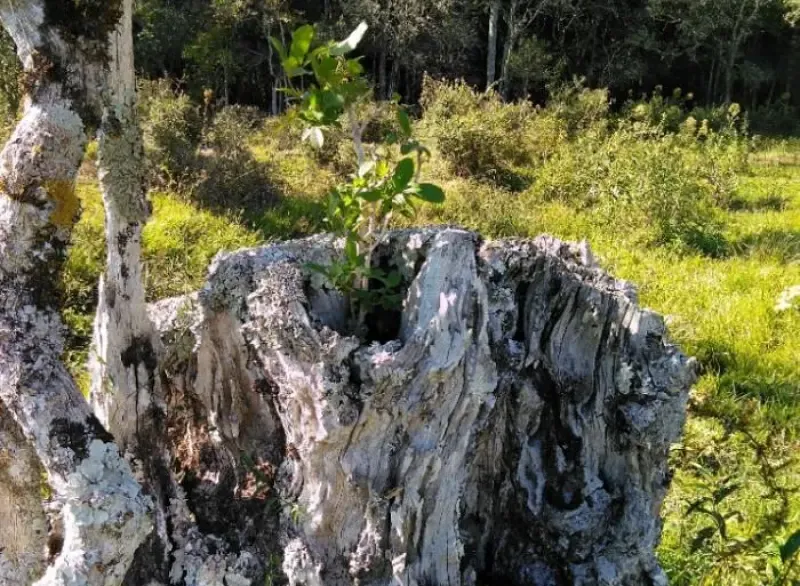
(580, 108)
(228, 174)
(779, 118)
(171, 127)
(210, 163)
(640, 180)
(442, 100)
(481, 136)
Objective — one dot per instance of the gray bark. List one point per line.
(100, 504)
(124, 382)
(491, 59)
(514, 429)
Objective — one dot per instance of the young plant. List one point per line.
(360, 210)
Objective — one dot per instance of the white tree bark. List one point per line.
(515, 431)
(104, 513)
(124, 385)
(491, 59)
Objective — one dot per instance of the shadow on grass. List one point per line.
(768, 203)
(234, 182)
(291, 217)
(747, 377)
(783, 246)
(712, 243)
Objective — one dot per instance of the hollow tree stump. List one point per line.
(510, 426)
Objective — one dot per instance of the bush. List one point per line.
(639, 180)
(777, 119)
(481, 136)
(172, 128)
(210, 163)
(580, 108)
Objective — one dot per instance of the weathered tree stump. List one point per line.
(510, 426)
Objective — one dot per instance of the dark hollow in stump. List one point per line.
(516, 432)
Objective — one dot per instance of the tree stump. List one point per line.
(510, 425)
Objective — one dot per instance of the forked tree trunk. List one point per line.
(100, 505)
(510, 426)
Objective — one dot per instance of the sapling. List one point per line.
(360, 210)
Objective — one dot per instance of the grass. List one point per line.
(744, 423)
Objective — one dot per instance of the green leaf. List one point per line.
(354, 68)
(351, 42)
(293, 66)
(404, 121)
(279, 48)
(791, 546)
(371, 195)
(351, 250)
(429, 192)
(317, 268)
(393, 279)
(324, 69)
(301, 41)
(403, 174)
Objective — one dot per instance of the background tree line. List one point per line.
(719, 50)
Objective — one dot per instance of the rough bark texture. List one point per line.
(124, 356)
(509, 426)
(99, 504)
(23, 522)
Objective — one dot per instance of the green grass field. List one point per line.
(732, 502)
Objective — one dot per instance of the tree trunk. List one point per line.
(730, 67)
(101, 506)
(127, 392)
(491, 59)
(511, 39)
(24, 526)
(511, 425)
(126, 387)
(710, 89)
(383, 94)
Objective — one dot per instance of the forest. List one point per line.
(249, 181)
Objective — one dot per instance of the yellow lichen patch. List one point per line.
(67, 204)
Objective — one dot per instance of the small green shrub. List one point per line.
(580, 108)
(481, 136)
(657, 110)
(171, 128)
(211, 163)
(777, 119)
